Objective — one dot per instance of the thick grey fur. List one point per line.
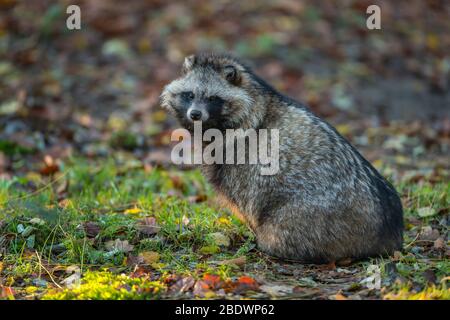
(327, 203)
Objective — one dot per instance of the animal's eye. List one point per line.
(214, 99)
(188, 95)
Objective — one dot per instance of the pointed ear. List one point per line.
(231, 74)
(189, 63)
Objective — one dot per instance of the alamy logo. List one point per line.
(73, 21)
(228, 149)
(374, 20)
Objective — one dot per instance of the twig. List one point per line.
(414, 240)
(48, 272)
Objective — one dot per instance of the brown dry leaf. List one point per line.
(7, 293)
(240, 261)
(429, 234)
(201, 289)
(198, 198)
(148, 226)
(439, 243)
(213, 281)
(133, 260)
(344, 262)
(340, 296)
(245, 283)
(64, 203)
(140, 272)
(397, 256)
(92, 229)
(429, 276)
(328, 267)
(183, 285)
(50, 166)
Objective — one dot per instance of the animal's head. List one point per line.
(214, 89)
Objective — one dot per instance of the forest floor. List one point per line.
(92, 208)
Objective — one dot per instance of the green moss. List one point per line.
(429, 293)
(103, 285)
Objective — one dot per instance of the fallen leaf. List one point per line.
(37, 221)
(212, 280)
(329, 266)
(344, 262)
(245, 283)
(397, 256)
(40, 282)
(31, 289)
(148, 226)
(207, 286)
(134, 210)
(183, 285)
(119, 245)
(429, 234)
(92, 229)
(236, 261)
(50, 166)
(340, 296)
(185, 220)
(426, 212)
(7, 293)
(220, 239)
(276, 290)
(209, 249)
(133, 260)
(74, 279)
(429, 276)
(201, 289)
(439, 243)
(197, 199)
(150, 257)
(64, 203)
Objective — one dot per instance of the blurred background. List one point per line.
(94, 92)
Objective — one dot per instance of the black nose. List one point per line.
(195, 114)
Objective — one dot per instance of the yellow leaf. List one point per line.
(209, 294)
(432, 41)
(224, 220)
(150, 256)
(159, 116)
(209, 249)
(158, 265)
(378, 163)
(133, 211)
(344, 129)
(31, 289)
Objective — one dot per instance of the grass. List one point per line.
(97, 218)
